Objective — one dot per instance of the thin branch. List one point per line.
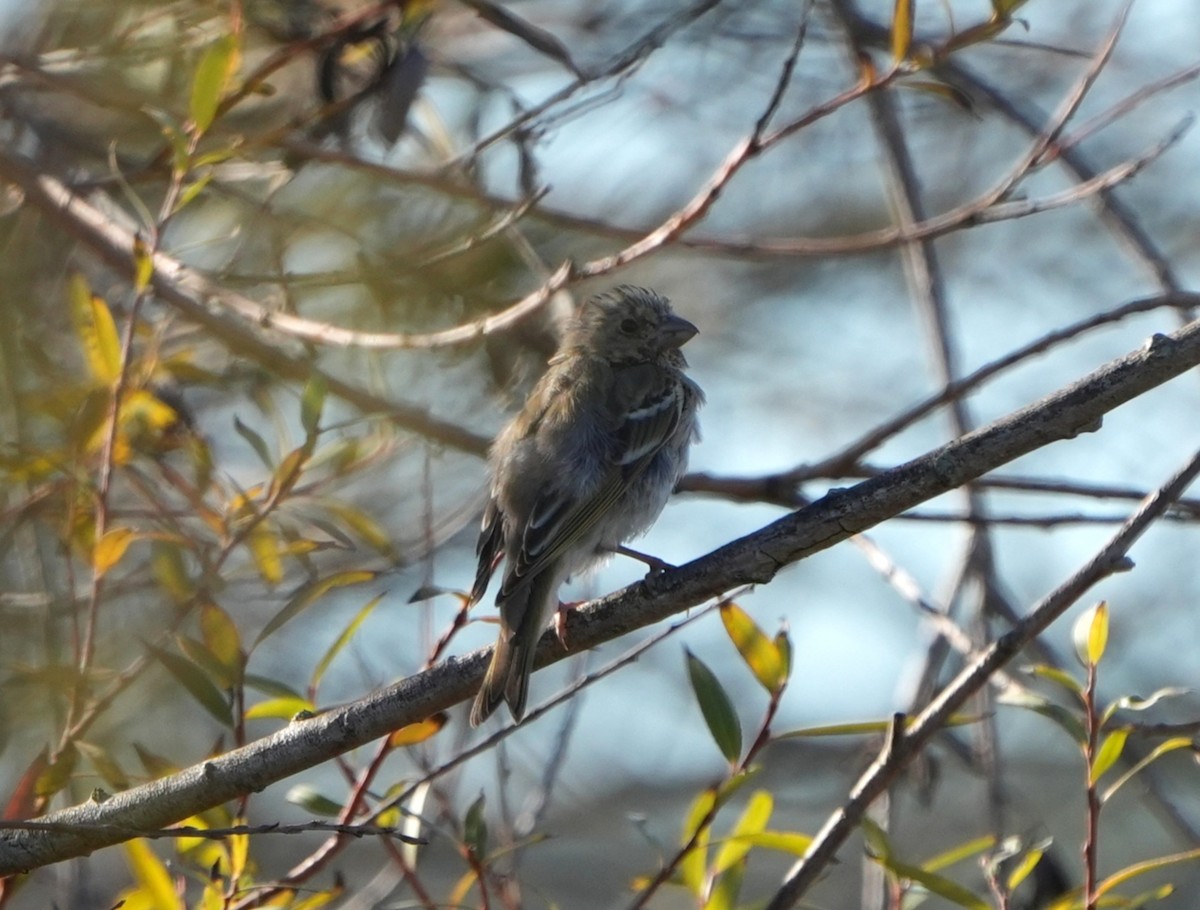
(124, 833)
(754, 559)
(191, 294)
(329, 849)
(781, 487)
(1111, 558)
(630, 57)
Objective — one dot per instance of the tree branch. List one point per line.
(756, 558)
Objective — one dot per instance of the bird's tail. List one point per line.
(507, 677)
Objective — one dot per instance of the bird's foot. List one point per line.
(560, 622)
(657, 566)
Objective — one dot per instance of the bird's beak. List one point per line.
(676, 331)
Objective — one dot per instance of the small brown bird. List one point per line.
(587, 464)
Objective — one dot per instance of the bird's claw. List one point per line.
(657, 566)
(560, 624)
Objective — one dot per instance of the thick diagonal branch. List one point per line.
(756, 558)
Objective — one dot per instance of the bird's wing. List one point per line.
(648, 416)
(488, 549)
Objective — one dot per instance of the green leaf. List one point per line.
(753, 820)
(1137, 703)
(309, 594)
(1170, 745)
(732, 785)
(1090, 635)
(272, 687)
(1056, 713)
(368, 530)
(279, 708)
(936, 884)
(342, 640)
(1060, 677)
(1150, 865)
(104, 763)
(311, 404)
(877, 843)
(58, 773)
(865, 727)
(716, 707)
(257, 443)
(307, 797)
(537, 38)
(192, 189)
(760, 653)
(1110, 750)
(213, 75)
(289, 470)
(783, 644)
(1022, 870)
(957, 854)
(197, 684)
(475, 832)
(169, 569)
(1003, 9)
(198, 653)
(96, 331)
(942, 91)
(156, 766)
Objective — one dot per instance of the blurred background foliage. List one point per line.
(239, 540)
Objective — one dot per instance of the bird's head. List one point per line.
(630, 325)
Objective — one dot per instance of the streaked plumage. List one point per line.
(587, 464)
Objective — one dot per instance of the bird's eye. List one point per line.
(629, 326)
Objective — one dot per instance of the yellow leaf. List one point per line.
(1090, 635)
(1098, 633)
(458, 896)
(212, 897)
(411, 734)
(764, 657)
(152, 876)
(265, 549)
(110, 548)
(753, 821)
(96, 331)
(902, 29)
(282, 708)
(221, 635)
(693, 867)
(318, 900)
(143, 265)
(239, 853)
(188, 844)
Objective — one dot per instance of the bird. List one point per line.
(586, 464)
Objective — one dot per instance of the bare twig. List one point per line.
(754, 559)
(355, 831)
(190, 294)
(1112, 557)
